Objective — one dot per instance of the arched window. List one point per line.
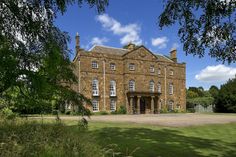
(151, 86)
(131, 85)
(112, 88)
(159, 87)
(171, 88)
(95, 90)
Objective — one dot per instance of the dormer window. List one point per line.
(171, 72)
(112, 66)
(94, 64)
(152, 69)
(131, 66)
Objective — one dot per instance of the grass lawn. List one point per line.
(153, 141)
(138, 140)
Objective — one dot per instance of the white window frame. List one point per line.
(131, 85)
(171, 72)
(112, 66)
(159, 87)
(95, 105)
(94, 65)
(112, 88)
(112, 105)
(95, 87)
(131, 66)
(171, 89)
(159, 71)
(152, 86)
(170, 105)
(152, 69)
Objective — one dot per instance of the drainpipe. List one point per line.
(79, 76)
(165, 86)
(104, 86)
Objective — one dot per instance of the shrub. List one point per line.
(122, 110)
(68, 112)
(164, 110)
(54, 112)
(191, 110)
(24, 138)
(114, 112)
(7, 113)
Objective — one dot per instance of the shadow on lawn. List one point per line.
(163, 142)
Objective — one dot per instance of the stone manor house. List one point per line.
(140, 80)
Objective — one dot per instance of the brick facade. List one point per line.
(167, 72)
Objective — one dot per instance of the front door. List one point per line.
(142, 105)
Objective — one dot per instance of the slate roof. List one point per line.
(120, 51)
(108, 50)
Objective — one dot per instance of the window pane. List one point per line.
(95, 105)
(113, 105)
(112, 88)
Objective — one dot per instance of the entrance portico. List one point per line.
(143, 102)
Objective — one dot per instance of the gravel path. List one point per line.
(175, 120)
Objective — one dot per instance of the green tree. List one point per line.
(205, 26)
(34, 58)
(226, 100)
(214, 91)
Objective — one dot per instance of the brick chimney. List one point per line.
(77, 40)
(130, 46)
(173, 55)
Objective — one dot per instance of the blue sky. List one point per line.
(136, 21)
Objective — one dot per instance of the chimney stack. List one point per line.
(131, 46)
(77, 40)
(173, 55)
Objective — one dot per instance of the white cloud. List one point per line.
(217, 73)
(160, 42)
(98, 41)
(129, 33)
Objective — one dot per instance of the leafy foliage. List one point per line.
(226, 100)
(35, 70)
(205, 26)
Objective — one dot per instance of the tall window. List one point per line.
(159, 87)
(113, 105)
(94, 64)
(131, 85)
(95, 87)
(151, 86)
(170, 105)
(112, 88)
(171, 88)
(159, 71)
(152, 69)
(112, 66)
(171, 72)
(95, 105)
(131, 66)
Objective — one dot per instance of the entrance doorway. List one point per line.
(142, 105)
